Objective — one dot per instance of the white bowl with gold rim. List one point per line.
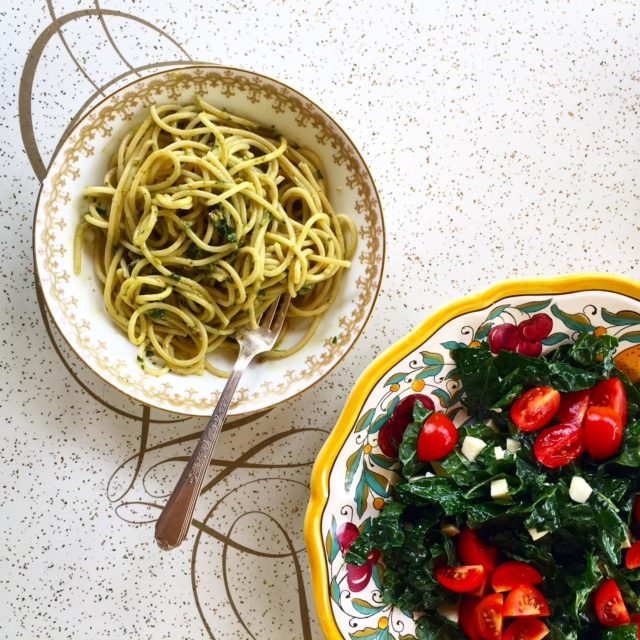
(75, 301)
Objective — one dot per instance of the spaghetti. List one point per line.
(203, 220)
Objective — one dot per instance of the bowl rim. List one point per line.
(320, 474)
(75, 125)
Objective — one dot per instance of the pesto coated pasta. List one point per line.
(203, 220)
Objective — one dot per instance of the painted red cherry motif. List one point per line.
(525, 338)
(393, 429)
(357, 576)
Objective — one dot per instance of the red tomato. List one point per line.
(466, 617)
(559, 445)
(602, 432)
(526, 629)
(611, 393)
(393, 429)
(472, 550)
(488, 616)
(512, 574)
(632, 559)
(609, 605)
(525, 601)
(535, 408)
(635, 619)
(573, 407)
(460, 579)
(438, 438)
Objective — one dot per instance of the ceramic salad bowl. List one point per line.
(352, 477)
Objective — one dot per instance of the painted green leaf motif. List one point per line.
(495, 312)
(630, 336)
(376, 575)
(372, 633)
(443, 396)
(452, 344)
(368, 609)
(483, 331)
(331, 543)
(377, 423)
(353, 464)
(621, 318)
(555, 338)
(533, 307)
(362, 495)
(396, 378)
(574, 321)
(429, 372)
(433, 365)
(365, 420)
(431, 358)
(382, 461)
(377, 482)
(335, 591)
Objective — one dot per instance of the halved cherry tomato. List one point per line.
(602, 432)
(573, 407)
(390, 435)
(609, 605)
(635, 619)
(472, 550)
(535, 408)
(488, 616)
(525, 601)
(512, 574)
(466, 617)
(611, 393)
(559, 445)
(526, 629)
(437, 438)
(460, 579)
(632, 559)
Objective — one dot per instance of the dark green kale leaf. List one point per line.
(433, 627)
(479, 377)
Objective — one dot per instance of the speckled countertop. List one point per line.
(504, 143)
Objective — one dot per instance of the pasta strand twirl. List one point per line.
(203, 220)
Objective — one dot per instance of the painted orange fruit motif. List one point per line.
(628, 361)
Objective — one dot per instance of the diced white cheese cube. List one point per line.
(449, 529)
(499, 488)
(449, 611)
(472, 447)
(579, 489)
(428, 474)
(513, 445)
(627, 541)
(536, 535)
(499, 453)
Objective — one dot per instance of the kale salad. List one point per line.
(518, 524)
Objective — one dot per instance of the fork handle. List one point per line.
(174, 521)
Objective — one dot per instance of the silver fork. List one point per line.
(174, 521)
